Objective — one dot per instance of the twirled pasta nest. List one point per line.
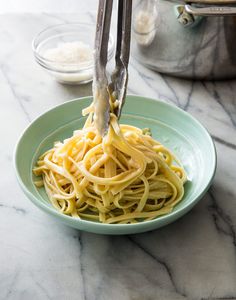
(124, 177)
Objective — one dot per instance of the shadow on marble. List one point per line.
(75, 91)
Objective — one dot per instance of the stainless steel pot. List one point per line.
(191, 39)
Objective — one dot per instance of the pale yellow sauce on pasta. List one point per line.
(124, 177)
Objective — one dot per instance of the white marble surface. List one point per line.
(56, 6)
(193, 258)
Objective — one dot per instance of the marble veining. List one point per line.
(193, 258)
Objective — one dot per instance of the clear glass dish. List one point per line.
(51, 37)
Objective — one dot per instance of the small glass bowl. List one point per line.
(51, 37)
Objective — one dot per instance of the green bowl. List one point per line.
(173, 127)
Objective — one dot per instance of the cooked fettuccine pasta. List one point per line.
(124, 177)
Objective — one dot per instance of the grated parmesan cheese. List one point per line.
(71, 62)
(70, 53)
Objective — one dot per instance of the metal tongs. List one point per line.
(102, 89)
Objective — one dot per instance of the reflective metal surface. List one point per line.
(202, 48)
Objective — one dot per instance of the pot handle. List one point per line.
(210, 10)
